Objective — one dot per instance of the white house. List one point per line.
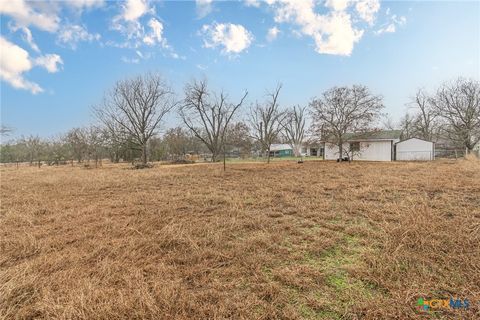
(414, 149)
(372, 146)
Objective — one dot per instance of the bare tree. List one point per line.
(77, 139)
(343, 110)
(207, 115)
(33, 145)
(135, 107)
(265, 120)
(178, 142)
(458, 104)
(426, 120)
(95, 142)
(238, 139)
(389, 123)
(294, 128)
(5, 130)
(406, 125)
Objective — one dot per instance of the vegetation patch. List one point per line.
(258, 241)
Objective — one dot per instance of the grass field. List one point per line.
(319, 240)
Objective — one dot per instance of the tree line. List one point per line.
(132, 114)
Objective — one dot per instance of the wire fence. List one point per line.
(449, 153)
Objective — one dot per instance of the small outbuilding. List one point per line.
(414, 149)
(281, 150)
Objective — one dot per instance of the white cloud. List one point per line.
(79, 4)
(337, 5)
(130, 60)
(233, 38)
(391, 26)
(204, 7)
(127, 22)
(252, 3)
(26, 36)
(40, 15)
(51, 62)
(14, 62)
(71, 35)
(134, 9)
(272, 33)
(333, 32)
(338, 36)
(367, 9)
(155, 35)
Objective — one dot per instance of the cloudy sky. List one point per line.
(59, 57)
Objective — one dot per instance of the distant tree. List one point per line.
(265, 120)
(425, 123)
(406, 126)
(238, 138)
(77, 139)
(389, 123)
(343, 110)
(95, 143)
(458, 104)
(56, 151)
(157, 149)
(178, 142)
(294, 128)
(208, 115)
(7, 153)
(33, 148)
(5, 130)
(134, 109)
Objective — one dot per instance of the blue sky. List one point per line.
(58, 58)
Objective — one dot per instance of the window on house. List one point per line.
(354, 146)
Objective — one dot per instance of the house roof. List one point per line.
(375, 135)
(414, 138)
(280, 146)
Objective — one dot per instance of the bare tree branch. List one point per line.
(135, 107)
(343, 110)
(207, 115)
(458, 104)
(265, 120)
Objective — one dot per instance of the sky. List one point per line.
(58, 58)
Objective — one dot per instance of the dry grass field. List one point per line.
(318, 240)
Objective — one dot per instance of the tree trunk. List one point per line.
(340, 150)
(224, 162)
(268, 155)
(144, 154)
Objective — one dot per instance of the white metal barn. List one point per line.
(372, 146)
(414, 149)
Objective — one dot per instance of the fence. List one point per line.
(449, 153)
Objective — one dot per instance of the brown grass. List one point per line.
(318, 240)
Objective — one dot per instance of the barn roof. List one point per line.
(280, 146)
(375, 135)
(414, 138)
